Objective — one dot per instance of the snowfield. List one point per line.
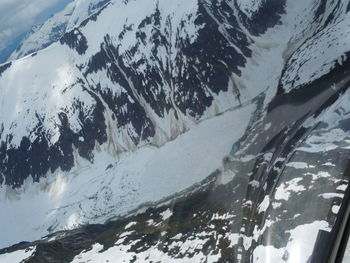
(17, 256)
(93, 193)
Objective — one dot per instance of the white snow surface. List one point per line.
(249, 8)
(120, 253)
(274, 47)
(327, 141)
(17, 256)
(42, 92)
(90, 193)
(264, 204)
(300, 245)
(299, 165)
(284, 191)
(39, 87)
(30, 91)
(83, 9)
(166, 214)
(181, 248)
(52, 29)
(321, 49)
(42, 35)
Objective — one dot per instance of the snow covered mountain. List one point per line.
(43, 35)
(111, 86)
(139, 105)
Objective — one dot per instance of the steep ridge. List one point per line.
(43, 35)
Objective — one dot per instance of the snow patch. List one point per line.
(17, 256)
(166, 214)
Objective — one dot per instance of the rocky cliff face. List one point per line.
(136, 75)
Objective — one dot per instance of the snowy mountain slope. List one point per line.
(293, 153)
(94, 193)
(44, 34)
(55, 27)
(323, 46)
(136, 82)
(111, 86)
(83, 9)
(17, 256)
(291, 180)
(225, 223)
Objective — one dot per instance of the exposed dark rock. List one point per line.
(4, 67)
(268, 16)
(75, 40)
